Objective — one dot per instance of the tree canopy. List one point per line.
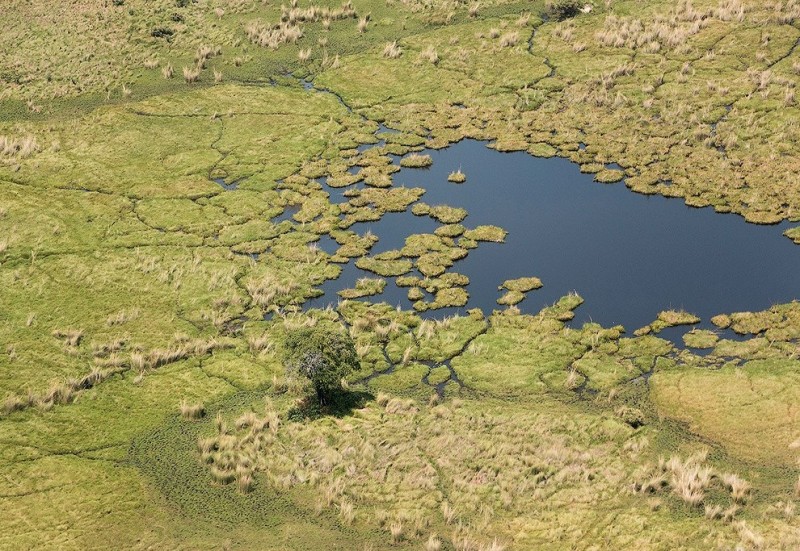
(323, 355)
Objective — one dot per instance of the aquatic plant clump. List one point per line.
(493, 234)
(522, 284)
(416, 160)
(457, 177)
(699, 338)
(446, 214)
(364, 287)
(510, 298)
(385, 268)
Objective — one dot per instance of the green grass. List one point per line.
(746, 409)
(129, 289)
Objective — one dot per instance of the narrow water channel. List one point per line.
(628, 255)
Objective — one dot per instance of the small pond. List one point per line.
(628, 255)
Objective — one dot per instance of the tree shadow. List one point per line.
(340, 404)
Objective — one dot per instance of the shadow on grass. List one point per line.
(340, 404)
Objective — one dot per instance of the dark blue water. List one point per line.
(226, 186)
(628, 255)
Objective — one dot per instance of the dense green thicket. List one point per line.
(324, 356)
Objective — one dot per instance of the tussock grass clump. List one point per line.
(289, 29)
(396, 529)
(457, 177)
(494, 234)
(260, 344)
(447, 215)
(429, 54)
(690, 479)
(749, 538)
(268, 291)
(347, 512)
(609, 176)
(450, 230)
(244, 483)
(385, 268)
(60, 393)
(395, 199)
(192, 411)
(444, 298)
(191, 74)
(365, 286)
(738, 487)
(229, 456)
(104, 350)
(673, 318)
(722, 321)
(71, 337)
(416, 160)
(16, 148)
(511, 298)
(182, 348)
(522, 284)
(392, 51)
(122, 317)
(509, 39)
(14, 403)
(700, 338)
(433, 543)
(204, 53)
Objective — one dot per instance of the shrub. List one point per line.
(162, 32)
(322, 355)
(563, 9)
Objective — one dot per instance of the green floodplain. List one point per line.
(144, 308)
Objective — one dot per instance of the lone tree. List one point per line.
(322, 355)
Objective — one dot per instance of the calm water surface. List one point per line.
(628, 255)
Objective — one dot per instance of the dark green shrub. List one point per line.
(563, 9)
(322, 355)
(162, 32)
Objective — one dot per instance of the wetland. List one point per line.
(556, 243)
(629, 255)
